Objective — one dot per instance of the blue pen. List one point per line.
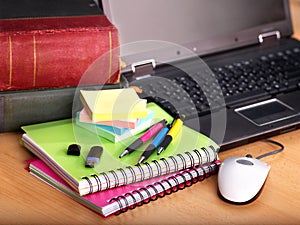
(156, 141)
(145, 137)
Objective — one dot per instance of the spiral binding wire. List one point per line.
(141, 171)
(124, 205)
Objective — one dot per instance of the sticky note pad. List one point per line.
(130, 123)
(113, 104)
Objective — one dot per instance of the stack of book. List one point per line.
(44, 58)
(46, 49)
(114, 114)
(116, 184)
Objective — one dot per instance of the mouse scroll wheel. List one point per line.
(245, 162)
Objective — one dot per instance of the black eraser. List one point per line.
(74, 149)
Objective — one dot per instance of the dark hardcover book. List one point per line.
(52, 52)
(47, 8)
(19, 108)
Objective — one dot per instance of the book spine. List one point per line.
(58, 54)
(132, 174)
(152, 192)
(19, 108)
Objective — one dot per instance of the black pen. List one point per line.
(176, 126)
(145, 137)
(156, 141)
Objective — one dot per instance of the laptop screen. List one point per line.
(204, 26)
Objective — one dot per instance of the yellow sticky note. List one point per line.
(113, 104)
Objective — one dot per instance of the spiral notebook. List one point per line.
(120, 199)
(49, 141)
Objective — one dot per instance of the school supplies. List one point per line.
(129, 123)
(156, 141)
(117, 134)
(113, 104)
(94, 156)
(174, 130)
(74, 149)
(145, 137)
(48, 141)
(121, 199)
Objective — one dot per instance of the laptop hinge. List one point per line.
(143, 68)
(273, 35)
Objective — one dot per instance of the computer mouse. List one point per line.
(240, 179)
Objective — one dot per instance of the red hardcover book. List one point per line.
(57, 52)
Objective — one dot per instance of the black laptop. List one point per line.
(44, 8)
(229, 67)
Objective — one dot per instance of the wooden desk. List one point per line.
(25, 200)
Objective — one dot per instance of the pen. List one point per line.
(156, 141)
(145, 137)
(176, 126)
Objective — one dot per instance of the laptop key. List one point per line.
(293, 74)
(246, 96)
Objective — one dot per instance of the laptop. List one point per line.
(229, 68)
(45, 8)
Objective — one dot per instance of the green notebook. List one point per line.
(49, 141)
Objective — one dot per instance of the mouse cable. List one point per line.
(270, 153)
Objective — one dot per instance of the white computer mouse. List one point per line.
(240, 179)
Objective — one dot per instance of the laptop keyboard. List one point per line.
(240, 81)
(269, 74)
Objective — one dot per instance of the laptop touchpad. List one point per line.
(266, 112)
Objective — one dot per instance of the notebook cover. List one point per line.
(112, 200)
(49, 141)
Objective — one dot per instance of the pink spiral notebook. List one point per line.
(120, 199)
